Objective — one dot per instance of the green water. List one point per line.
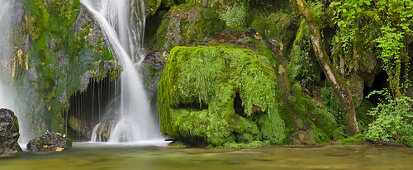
(86, 156)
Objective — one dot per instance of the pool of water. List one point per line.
(92, 156)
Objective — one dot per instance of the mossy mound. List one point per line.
(186, 24)
(220, 96)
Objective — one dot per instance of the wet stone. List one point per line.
(49, 142)
(9, 134)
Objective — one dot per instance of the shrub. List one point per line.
(393, 119)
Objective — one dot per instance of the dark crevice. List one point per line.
(239, 109)
(196, 105)
(88, 108)
(152, 24)
(380, 82)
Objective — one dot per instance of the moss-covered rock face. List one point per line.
(303, 67)
(242, 39)
(220, 96)
(58, 48)
(186, 24)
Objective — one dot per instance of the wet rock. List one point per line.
(104, 128)
(81, 127)
(95, 35)
(156, 59)
(49, 142)
(9, 134)
(303, 137)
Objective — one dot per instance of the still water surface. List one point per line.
(92, 156)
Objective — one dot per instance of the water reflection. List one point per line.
(88, 156)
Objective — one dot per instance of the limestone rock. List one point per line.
(9, 134)
(49, 142)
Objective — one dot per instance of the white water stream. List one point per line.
(8, 95)
(125, 29)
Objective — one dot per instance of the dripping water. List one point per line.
(125, 30)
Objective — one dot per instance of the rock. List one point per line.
(105, 127)
(218, 96)
(243, 39)
(186, 24)
(18, 13)
(81, 127)
(49, 142)
(9, 134)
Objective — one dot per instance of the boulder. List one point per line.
(220, 96)
(104, 128)
(49, 142)
(9, 134)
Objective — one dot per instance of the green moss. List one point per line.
(73, 123)
(197, 92)
(276, 27)
(69, 143)
(187, 24)
(357, 139)
(152, 6)
(57, 59)
(236, 17)
(303, 67)
(315, 118)
(362, 115)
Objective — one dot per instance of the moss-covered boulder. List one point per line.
(220, 96)
(186, 24)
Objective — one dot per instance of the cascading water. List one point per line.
(125, 30)
(8, 95)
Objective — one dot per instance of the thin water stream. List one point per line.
(91, 156)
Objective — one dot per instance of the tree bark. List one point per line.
(333, 76)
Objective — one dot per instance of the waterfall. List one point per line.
(8, 95)
(124, 27)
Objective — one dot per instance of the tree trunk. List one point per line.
(333, 76)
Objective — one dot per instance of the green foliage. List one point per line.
(197, 92)
(358, 35)
(362, 115)
(393, 119)
(303, 66)
(275, 27)
(69, 143)
(332, 103)
(357, 139)
(236, 17)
